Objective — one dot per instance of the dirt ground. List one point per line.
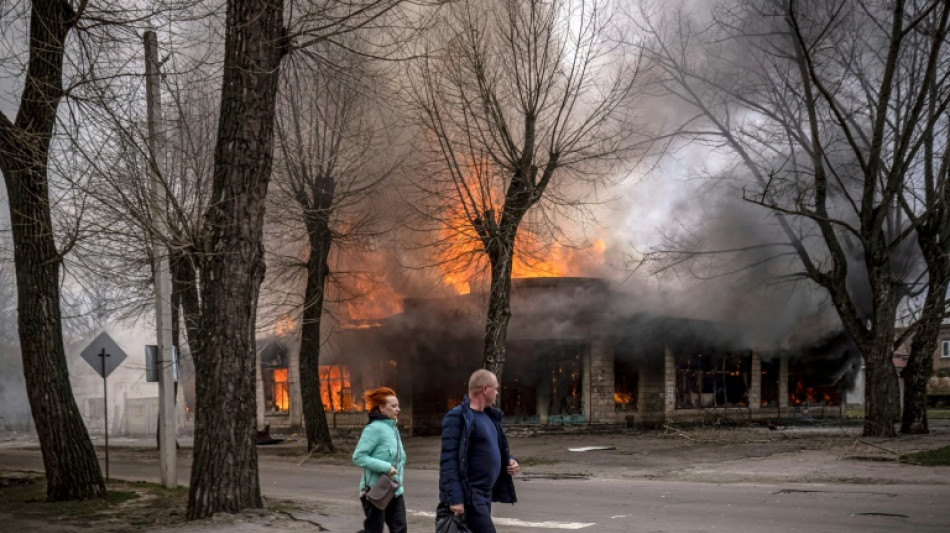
(806, 453)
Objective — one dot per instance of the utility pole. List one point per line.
(163, 313)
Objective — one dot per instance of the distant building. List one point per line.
(132, 401)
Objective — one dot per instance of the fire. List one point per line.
(281, 399)
(284, 326)
(336, 392)
(366, 295)
(463, 262)
(803, 394)
(622, 398)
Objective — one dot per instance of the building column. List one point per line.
(544, 399)
(782, 385)
(586, 381)
(669, 379)
(602, 384)
(404, 383)
(755, 382)
(295, 414)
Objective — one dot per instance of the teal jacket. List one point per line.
(376, 452)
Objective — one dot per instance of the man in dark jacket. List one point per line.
(475, 468)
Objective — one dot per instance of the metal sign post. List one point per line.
(105, 407)
(104, 355)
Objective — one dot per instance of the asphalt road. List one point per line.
(599, 504)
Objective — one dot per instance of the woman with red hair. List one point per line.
(379, 452)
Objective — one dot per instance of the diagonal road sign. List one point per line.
(103, 347)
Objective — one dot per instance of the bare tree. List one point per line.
(521, 102)
(825, 107)
(330, 166)
(926, 203)
(72, 469)
(224, 473)
(230, 248)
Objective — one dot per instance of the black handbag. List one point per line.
(382, 492)
(448, 522)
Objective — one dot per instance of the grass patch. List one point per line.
(938, 457)
(126, 506)
(283, 507)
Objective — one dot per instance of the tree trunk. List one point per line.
(920, 362)
(185, 298)
(315, 418)
(224, 475)
(881, 392)
(499, 306)
(499, 241)
(72, 468)
(919, 368)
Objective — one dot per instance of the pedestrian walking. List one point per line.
(476, 466)
(379, 451)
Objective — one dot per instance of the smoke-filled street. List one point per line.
(737, 480)
(626, 225)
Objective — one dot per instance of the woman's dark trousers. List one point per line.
(394, 516)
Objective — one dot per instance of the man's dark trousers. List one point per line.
(478, 514)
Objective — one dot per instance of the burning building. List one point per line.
(574, 357)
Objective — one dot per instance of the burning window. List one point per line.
(276, 391)
(519, 399)
(803, 392)
(335, 389)
(274, 363)
(281, 392)
(342, 386)
(770, 378)
(626, 385)
(566, 401)
(813, 382)
(713, 380)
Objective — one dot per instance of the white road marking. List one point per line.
(521, 523)
(591, 448)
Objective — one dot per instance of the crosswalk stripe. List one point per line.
(522, 523)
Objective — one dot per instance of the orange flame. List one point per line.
(281, 399)
(284, 326)
(462, 259)
(335, 390)
(370, 298)
(622, 398)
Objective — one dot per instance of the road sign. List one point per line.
(103, 347)
(152, 366)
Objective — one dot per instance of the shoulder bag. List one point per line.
(382, 492)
